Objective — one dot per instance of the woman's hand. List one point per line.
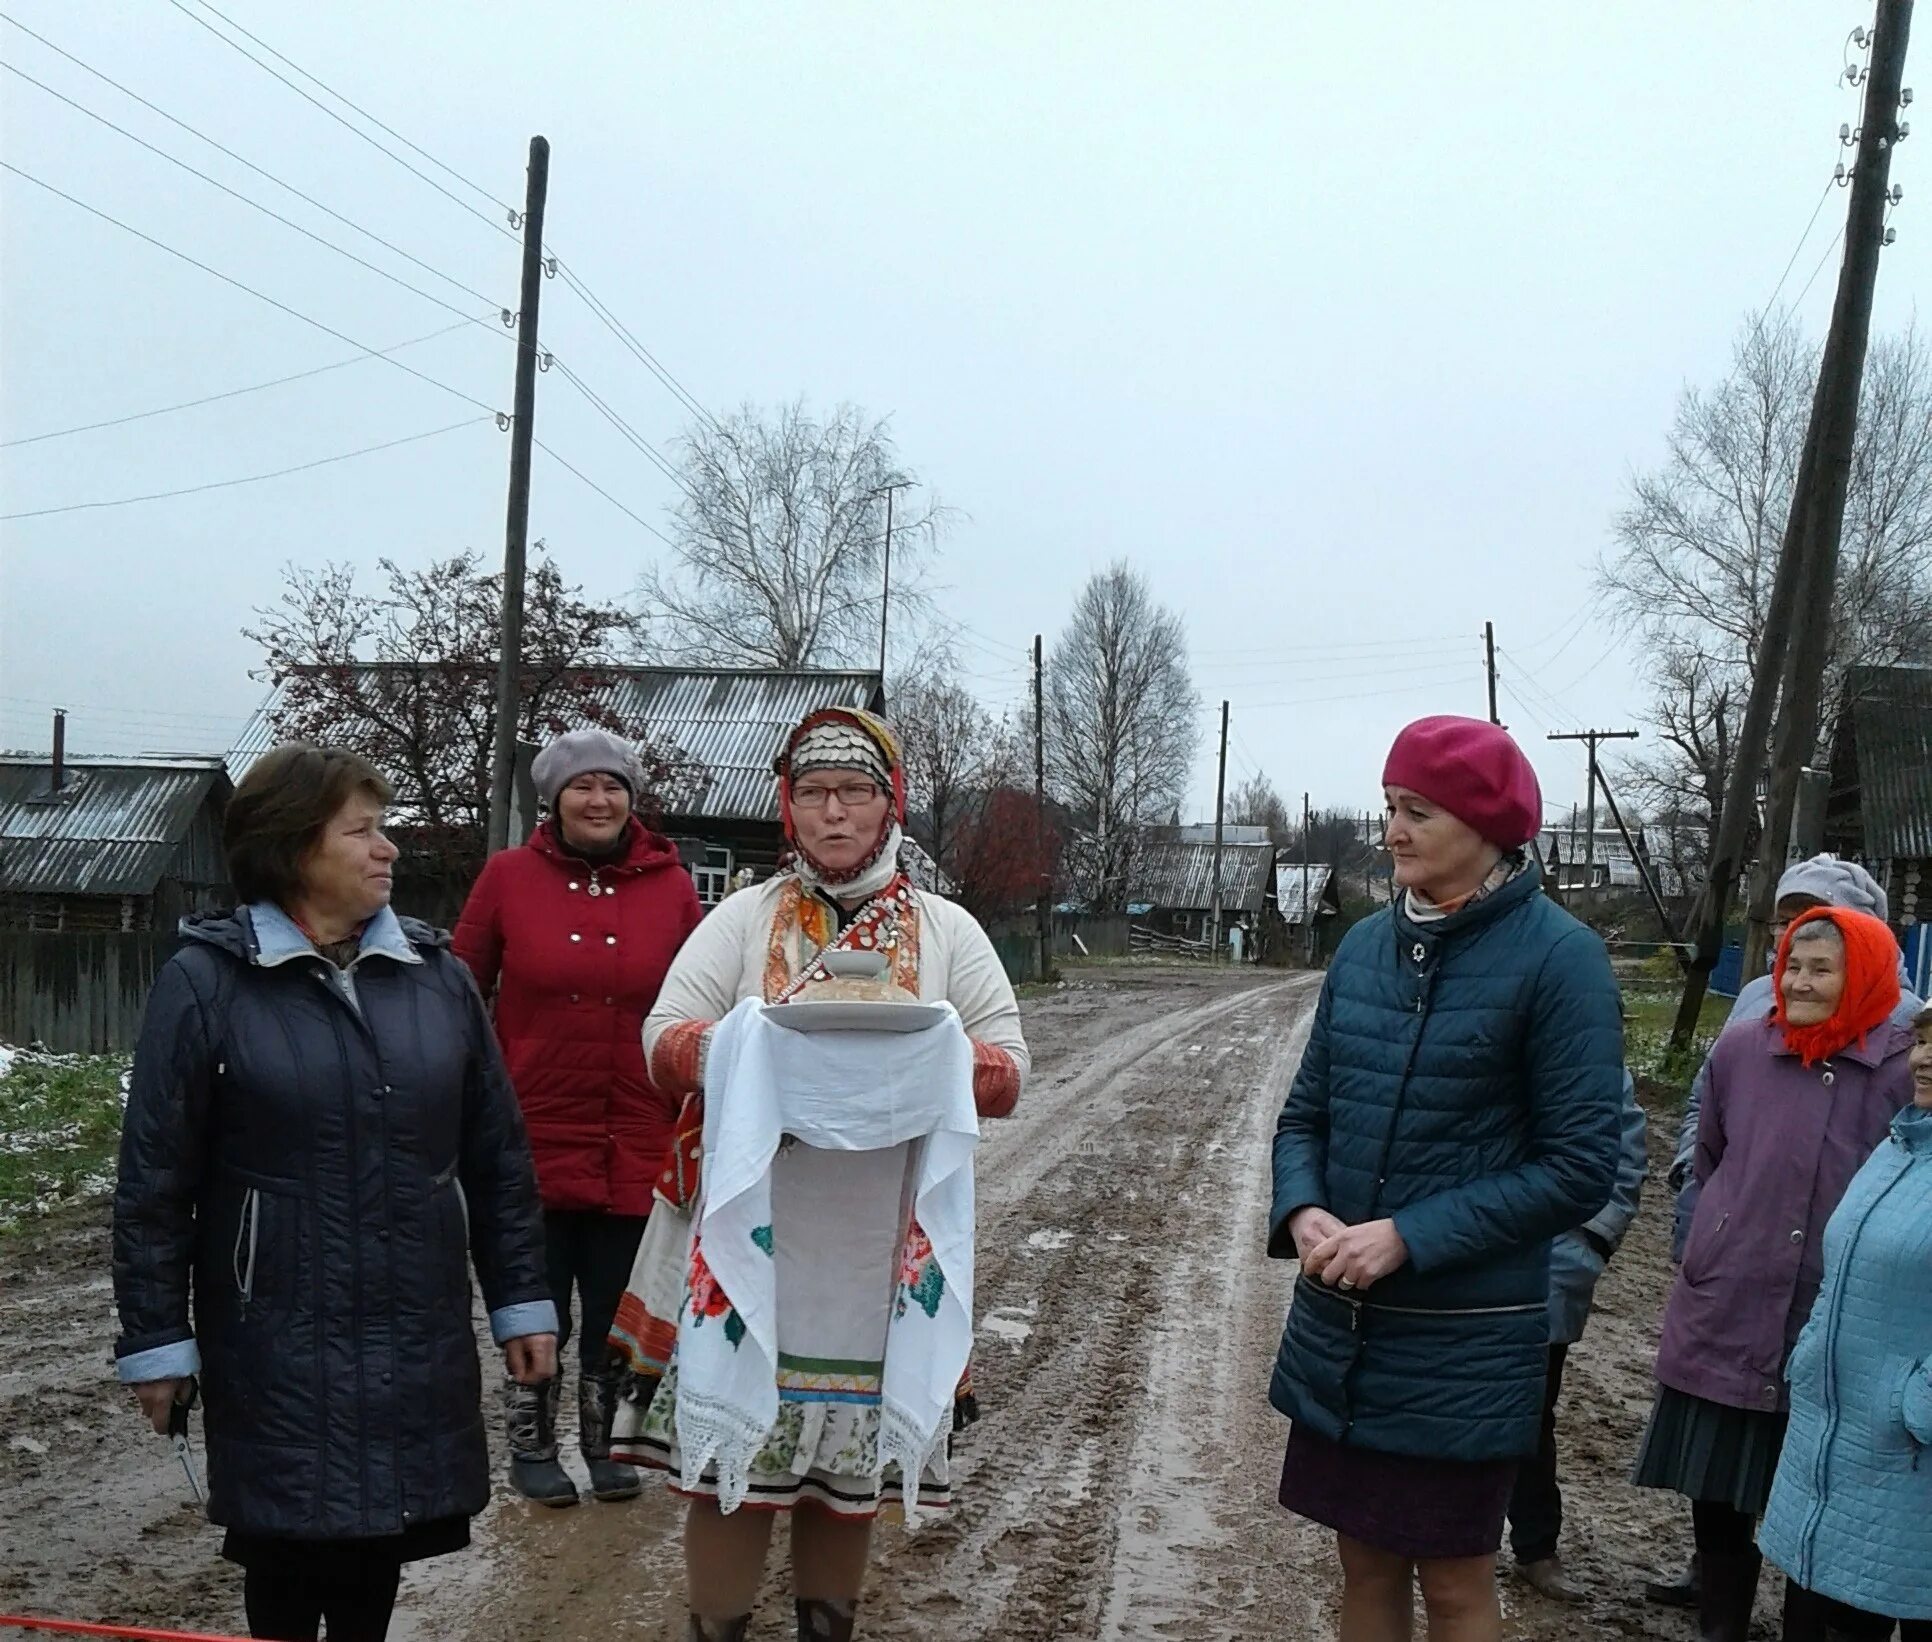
(1311, 1227)
(531, 1358)
(1357, 1256)
(157, 1399)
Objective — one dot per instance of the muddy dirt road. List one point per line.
(1120, 1486)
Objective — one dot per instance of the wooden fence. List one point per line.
(78, 993)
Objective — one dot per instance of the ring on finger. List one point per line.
(1347, 1283)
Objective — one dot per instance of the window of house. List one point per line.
(713, 876)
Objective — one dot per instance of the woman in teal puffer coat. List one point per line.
(1458, 1107)
(1850, 1519)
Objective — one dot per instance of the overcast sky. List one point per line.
(1346, 324)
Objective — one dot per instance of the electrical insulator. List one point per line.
(1837, 176)
(1844, 133)
(1905, 98)
(1890, 235)
(1898, 193)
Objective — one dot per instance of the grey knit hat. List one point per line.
(580, 752)
(1836, 883)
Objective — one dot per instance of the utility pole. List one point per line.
(1039, 809)
(1220, 805)
(1643, 864)
(1307, 912)
(1489, 652)
(885, 600)
(1591, 738)
(509, 659)
(1792, 656)
(1834, 427)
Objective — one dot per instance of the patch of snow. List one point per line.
(27, 1445)
(8, 1055)
(1054, 1237)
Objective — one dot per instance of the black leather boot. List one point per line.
(825, 1620)
(720, 1630)
(1729, 1593)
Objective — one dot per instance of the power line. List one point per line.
(249, 479)
(1835, 239)
(1356, 695)
(228, 279)
(68, 704)
(235, 45)
(637, 439)
(1561, 708)
(594, 485)
(475, 188)
(623, 334)
(232, 393)
(1444, 659)
(256, 205)
(222, 148)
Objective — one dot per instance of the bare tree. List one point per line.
(1256, 803)
(1697, 549)
(406, 676)
(1121, 726)
(950, 743)
(778, 554)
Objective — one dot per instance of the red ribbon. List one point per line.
(73, 1627)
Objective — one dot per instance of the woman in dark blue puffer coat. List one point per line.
(1457, 1109)
(320, 1139)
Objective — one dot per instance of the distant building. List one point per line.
(1574, 861)
(1880, 805)
(1174, 886)
(110, 844)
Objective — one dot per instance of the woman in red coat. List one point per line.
(572, 933)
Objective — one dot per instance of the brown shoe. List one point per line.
(1548, 1578)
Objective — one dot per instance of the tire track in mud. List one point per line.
(1099, 1215)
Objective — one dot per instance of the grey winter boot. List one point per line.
(720, 1630)
(825, 1621)
(596, 1409)
(531, 1411)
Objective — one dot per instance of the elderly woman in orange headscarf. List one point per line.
(842, 801)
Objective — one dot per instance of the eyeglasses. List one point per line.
(852, 794)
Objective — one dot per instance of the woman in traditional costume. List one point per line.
(859, 1244)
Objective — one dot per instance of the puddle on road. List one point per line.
(1009, 1323)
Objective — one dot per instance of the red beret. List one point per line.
(1473, 770)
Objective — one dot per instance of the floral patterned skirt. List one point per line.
(843, 1219)
(823, 1448)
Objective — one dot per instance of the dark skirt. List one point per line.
(1423, 1509)
(1706, 1451)
(330, 1560)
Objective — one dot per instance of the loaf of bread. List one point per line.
(853, 989)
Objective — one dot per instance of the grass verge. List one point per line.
(1646, 1035)
(60, 1126)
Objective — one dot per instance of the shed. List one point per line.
(1324, 891)
(110, 844)
(1880, 806)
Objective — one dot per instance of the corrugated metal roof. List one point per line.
(1288, 881)
(730, 723)
(1180, 877)
(111, 832)
(1892, 722)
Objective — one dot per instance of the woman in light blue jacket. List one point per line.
(1850, 1519)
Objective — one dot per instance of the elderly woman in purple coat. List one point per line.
(1796, 1105)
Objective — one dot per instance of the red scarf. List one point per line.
(1871, 985)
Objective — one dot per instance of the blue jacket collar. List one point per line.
(1913, 1129)
(278, 938)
